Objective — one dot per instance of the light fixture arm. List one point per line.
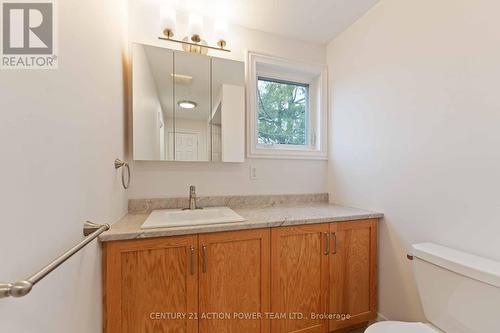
(218, 48)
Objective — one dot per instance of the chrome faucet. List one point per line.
(192, 198)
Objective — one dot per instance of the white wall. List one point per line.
(60, 132)
(416, 114)
(159, 179)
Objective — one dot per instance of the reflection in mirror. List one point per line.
(192, 107)
(187, 107)
(152, 102)
(228, 110)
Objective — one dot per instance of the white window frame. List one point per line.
(265, 66)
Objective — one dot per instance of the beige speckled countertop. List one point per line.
(129, 227)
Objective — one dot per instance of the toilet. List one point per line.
(460, 293)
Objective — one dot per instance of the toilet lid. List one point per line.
(400, 327)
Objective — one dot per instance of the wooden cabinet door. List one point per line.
(146, 280)
(234, 281)
(353, 272)
(299, 278)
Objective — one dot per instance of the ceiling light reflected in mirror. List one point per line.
(187, 104)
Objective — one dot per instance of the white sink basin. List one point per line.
(183, 218)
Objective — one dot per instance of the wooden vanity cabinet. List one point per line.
(299, 277)
(285, 274)
(234, 280)
(324, 269)
(144, 279)
(199, 278)
(353, 273)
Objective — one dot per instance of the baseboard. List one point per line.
(381, 317)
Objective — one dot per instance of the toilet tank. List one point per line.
(460, 292)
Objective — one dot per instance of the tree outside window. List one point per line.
(282, 112)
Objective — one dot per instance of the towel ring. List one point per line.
(119, 164)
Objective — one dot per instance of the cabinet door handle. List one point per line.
(191, 249)
(204, 255)
(327, 243)
(334, 243)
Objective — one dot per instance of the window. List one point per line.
(287, 109)
(283, 114)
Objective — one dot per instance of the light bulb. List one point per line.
(187, 104)
(168, 20)
(220, 31)
(195, 25)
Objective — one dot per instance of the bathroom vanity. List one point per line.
(286, 268)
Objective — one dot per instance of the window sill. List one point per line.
(287, 153)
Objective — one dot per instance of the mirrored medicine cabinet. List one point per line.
(187, 107)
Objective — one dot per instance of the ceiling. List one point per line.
(317, 21)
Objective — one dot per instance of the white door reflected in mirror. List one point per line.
(186, 146)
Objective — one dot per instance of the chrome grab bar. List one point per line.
(23, 287)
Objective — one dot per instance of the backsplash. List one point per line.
(143, 206)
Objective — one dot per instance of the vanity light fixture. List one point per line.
(193, 42)
(195, 27)
(187, 104)
(168, 21)
(220, 29)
